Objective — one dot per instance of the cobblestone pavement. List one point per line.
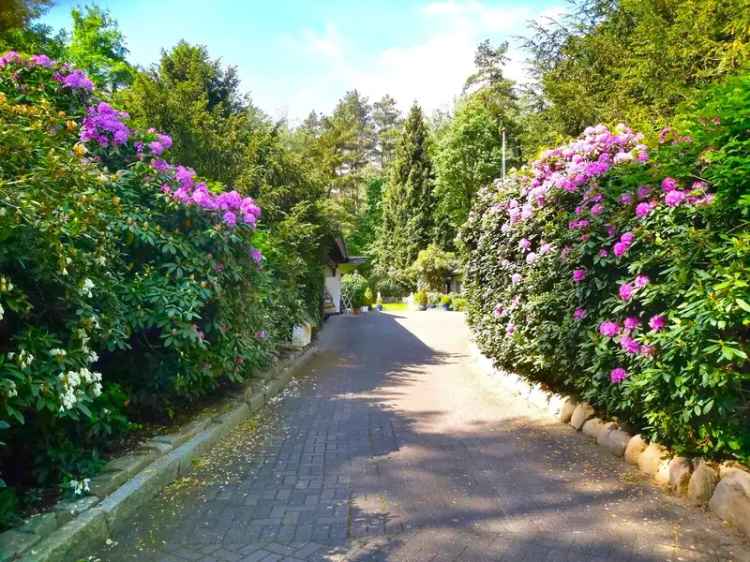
(391, 447)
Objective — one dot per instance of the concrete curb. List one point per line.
(724, 489)
(76, 529)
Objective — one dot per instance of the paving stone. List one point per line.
(389, 451)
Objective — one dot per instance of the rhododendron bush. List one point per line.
(619, 270)
(127, 284)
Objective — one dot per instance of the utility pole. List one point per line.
(503, 132)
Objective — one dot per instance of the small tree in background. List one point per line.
(432, 267)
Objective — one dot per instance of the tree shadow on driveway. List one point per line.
(391, 450)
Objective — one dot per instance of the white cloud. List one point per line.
(431, 71)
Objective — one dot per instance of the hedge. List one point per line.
(128, 286)
(618, 269)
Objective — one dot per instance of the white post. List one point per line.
(503, 131)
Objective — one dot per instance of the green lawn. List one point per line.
(394, 306)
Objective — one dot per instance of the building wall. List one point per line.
(333, 286)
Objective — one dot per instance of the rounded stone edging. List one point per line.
(724, 489)
(75, 529)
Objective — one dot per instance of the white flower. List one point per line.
(93, 357)
(80, 486)
(57, 352)
(101, 260)
(11, 390)
(25, 359)
(88, 284)
(2, 312)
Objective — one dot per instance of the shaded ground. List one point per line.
(390, 447)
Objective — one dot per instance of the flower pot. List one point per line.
(422, 307)
(355, 310)
(379, 307)
(445, 306)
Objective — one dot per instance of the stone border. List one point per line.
(74, 529)
(724, 488)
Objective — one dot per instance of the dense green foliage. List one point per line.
(354, 286)
(630, 60)
(631, 290)
(433, 267)
(408, 203)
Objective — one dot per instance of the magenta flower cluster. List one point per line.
(104, 125)
(230, 205)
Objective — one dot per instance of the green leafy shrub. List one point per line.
(445, 300)
(420, 298)
(459, 303)
(625, 278)
(354, 285)
(128, 286)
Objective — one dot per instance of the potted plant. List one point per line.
(433, 300)
(379, 302)
(354, 285)
(445, 302)
(420, 299)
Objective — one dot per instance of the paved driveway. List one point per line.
(390, 446)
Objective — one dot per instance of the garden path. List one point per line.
(390, 447)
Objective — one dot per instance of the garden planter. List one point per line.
(356, 310)
(445, 306)
(378, 307)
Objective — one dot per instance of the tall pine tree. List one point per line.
(408, 204)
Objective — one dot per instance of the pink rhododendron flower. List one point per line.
(643, 209)
(631, 323)
(669, 184)
(77, 80)
(620, 248)
(230, 219)
(510, 328)
(603, 253)
(611, 230)
(499, 311)
(657, 322)
(579, 274)
(544, 248)
(641, 281)
(609, 329)
(9, 57)
(515, 278)
(644, 192)
(675, 198)
(648, 350)
(597, 209)
(629, 345)
(42, 60)
(579, 314)
(626, 291)
(626, 199)
(256, 255)
(627, 238)
(531, 258)
(524, 244)
(618, 375)
(160, 165)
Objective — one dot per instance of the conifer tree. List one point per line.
(408, 203)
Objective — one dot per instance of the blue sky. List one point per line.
(294, 56)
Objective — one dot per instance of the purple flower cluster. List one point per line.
(618, 375)
(8, 58)
(75, 80)
(623, 245)
(104, 124)
(42, 60)
(574, 165)
(232, 206)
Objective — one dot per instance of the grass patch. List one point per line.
(394, 306)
